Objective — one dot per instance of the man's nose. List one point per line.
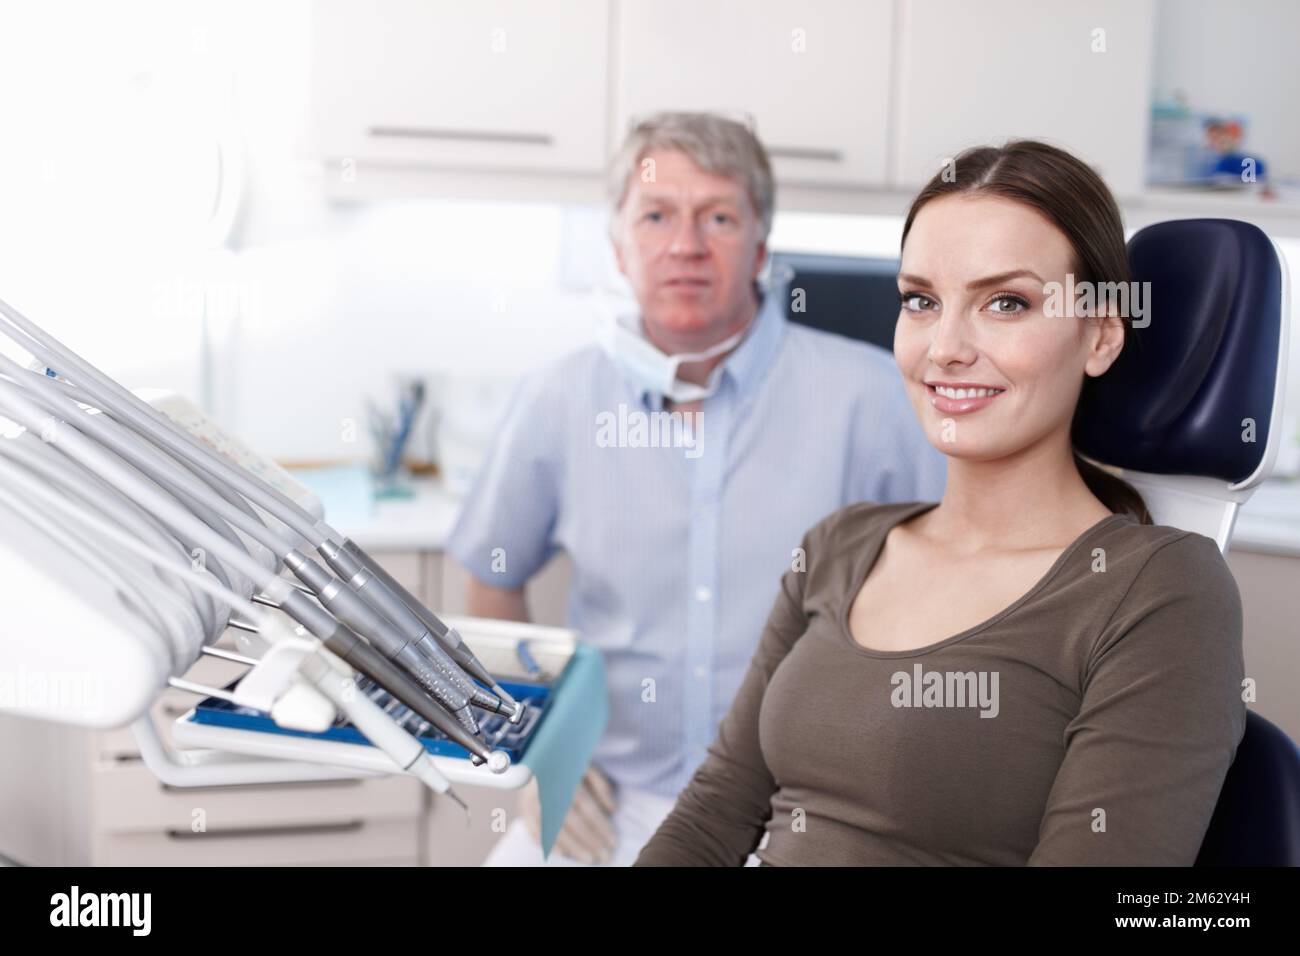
(686, 239)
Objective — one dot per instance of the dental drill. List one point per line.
(399, 614)
(103, 448)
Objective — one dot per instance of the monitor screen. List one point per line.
(849, 295)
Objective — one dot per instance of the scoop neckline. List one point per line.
(872, 555)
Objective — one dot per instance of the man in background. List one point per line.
(679, 527)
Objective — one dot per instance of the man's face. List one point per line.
(689, 243)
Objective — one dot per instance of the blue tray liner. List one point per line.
(556, 749)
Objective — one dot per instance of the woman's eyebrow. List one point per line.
(978, 283)
(1003, 277)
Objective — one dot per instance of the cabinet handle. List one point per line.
(803, 152)
(481, 136)
(348, 826)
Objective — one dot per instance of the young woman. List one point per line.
(1028, 671)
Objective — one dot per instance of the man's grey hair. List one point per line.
(716, 144)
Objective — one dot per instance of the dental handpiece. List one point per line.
(345, 643)
(448, 637)
(175, 442)
(372, 585)
(175, 478)
(349, 608)
(374, 592)
(180, 481)
(112, 397)
(166, 508)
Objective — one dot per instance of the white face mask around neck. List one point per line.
(620, 335)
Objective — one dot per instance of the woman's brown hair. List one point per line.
(1070, 194)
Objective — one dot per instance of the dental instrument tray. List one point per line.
(499, 733)
(529, 660)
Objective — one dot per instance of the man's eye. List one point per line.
(1009, 305)
(721, 218)
(915, 301)
(653, 215)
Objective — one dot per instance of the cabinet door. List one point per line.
(503, 84)
(1075, 75)
(813, 75)
(547, 594)
(407, 569)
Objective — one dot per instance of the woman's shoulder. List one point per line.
(1176, 546)
(1165, 560)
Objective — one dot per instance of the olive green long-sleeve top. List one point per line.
(1092, 722)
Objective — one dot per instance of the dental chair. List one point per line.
(1190, 415)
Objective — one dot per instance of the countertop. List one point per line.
(1268, 524)
(422, 522)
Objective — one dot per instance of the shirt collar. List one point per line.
(747, 364)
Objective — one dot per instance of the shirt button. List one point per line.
(700, 671)
(703, 594)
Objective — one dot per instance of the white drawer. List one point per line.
(127, 796)
(347, 842)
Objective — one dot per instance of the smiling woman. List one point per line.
(1103, 651)
(1051, 210)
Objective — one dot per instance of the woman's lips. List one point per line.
(959, 406)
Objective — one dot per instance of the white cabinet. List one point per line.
(814, 76)
(84, 798)
(851, 97)
(1075, 75)
(492, 84)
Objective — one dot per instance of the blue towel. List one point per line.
(561, 750)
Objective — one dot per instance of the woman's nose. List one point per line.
(950, 340)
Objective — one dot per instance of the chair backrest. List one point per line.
(1191, 412)
(853, 296)
(1257, 819)
(1190, 415)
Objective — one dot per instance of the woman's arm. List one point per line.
(1160, 720)
(719, 817)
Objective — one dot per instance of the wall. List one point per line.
(1191, 37)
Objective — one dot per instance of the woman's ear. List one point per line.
(1106, 341)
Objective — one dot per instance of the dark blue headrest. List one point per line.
(1174, 401)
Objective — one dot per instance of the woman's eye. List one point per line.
(915, 301)
(1008, 305)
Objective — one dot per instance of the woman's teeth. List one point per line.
(947, 392)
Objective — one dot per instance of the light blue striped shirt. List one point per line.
(678, 538)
